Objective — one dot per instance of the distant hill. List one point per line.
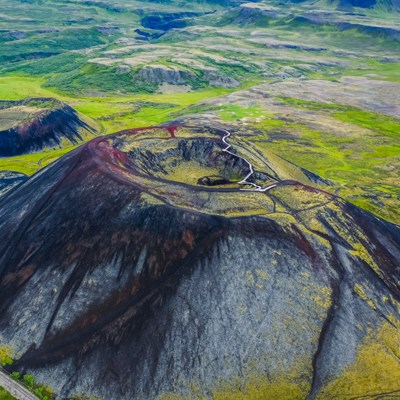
(34, 124)
(349, 5)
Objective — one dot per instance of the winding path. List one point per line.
(244, 181)
(15, 388)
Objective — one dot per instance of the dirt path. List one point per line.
(256, 188)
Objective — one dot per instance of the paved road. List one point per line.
(14, 388)
(255, 187)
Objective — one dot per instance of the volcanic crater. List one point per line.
(193, 160)
(123, 275)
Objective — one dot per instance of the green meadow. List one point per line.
(4, 395)
(112, 114)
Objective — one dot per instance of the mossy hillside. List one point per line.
(362, 166)
(380, 348)
(363, 181)
(376, 370)
(97, 78)
(53, 43)
(382, 70)
(65, 69)
(56, 65)
(327, 33)
(73, 72)
(63, 16)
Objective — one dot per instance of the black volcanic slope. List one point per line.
(44, 123)
(125, 276)
(10, 179)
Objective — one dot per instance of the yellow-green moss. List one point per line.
(376, 369)
(360, 251)
(6, 355)
(262, 389)
(323, 299)
(282, 388)
(361, 292)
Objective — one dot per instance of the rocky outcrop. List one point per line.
(124, 277)
(161, 74)
(164, 74)
(216, 79)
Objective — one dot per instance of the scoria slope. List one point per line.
(161, 263)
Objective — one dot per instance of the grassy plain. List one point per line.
(4, 395)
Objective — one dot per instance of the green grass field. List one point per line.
(4, 395)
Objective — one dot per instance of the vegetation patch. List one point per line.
(43, 392)
(4, 395)
(364, 167)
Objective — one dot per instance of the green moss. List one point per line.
(359, 289)
(271, 124)
(58, 64)
(388, 71)
(378, 123)
(261, 389)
